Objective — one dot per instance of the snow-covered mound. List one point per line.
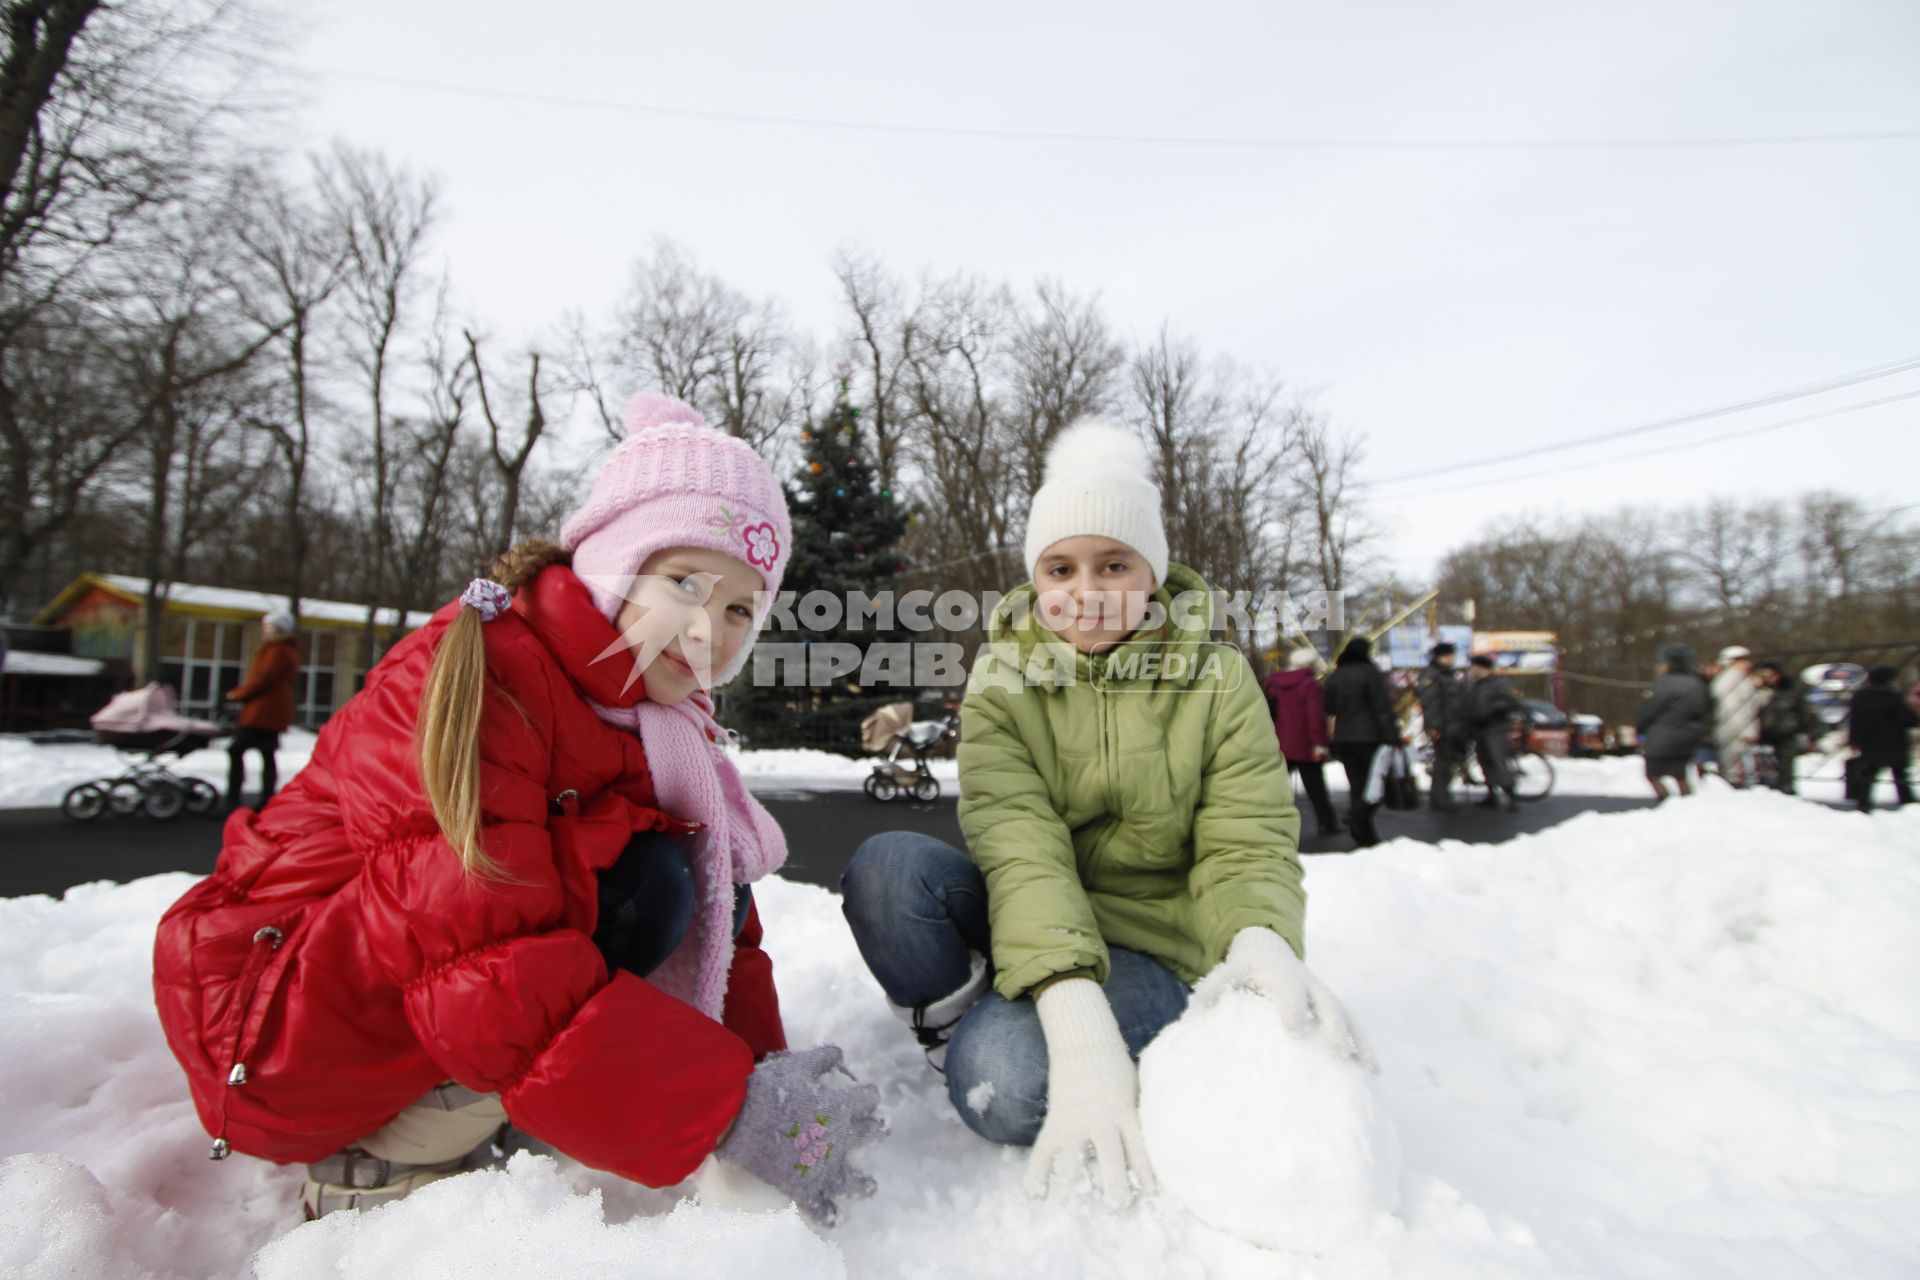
(1681, 1042)
(1262, 1132)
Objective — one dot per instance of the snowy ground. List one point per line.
(37, 775)
(1671, 1043)
(32, 775)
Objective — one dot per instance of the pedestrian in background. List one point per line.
(1491, 707)
(1737, 698)
(1360, 722)
(1674, 721)
(1443, 710)
(1786, 721)
(1300, 723)
(266, 707)
(1880, 725)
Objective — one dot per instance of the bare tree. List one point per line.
(692, 335)
(297, 259)
(104, 112)
(510, 463)
(175, 340)
(951, 384)
(1064, 365)
(216, 472)
(1328, 493)
(1218, 438)
(883, 330)
(424, 461)
(384, 215)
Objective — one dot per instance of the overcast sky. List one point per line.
(1451, 302)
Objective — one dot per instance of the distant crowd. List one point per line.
(1752, 723)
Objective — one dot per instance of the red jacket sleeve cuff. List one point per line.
(638, 1083)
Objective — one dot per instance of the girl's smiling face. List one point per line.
(1092, 591)
(687, 614)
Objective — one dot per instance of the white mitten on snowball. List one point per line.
(1093, 1096)
(1259, 960)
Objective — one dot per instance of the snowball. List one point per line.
(1265, 1134)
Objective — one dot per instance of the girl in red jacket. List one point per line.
(511, 886)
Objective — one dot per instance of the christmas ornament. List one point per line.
(815, 467)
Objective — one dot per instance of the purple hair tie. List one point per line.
(487, 598)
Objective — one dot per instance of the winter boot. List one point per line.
(353, 1179)
(933, 1022)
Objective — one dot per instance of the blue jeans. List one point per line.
(917, 906)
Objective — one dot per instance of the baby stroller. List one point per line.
(889, 732)
(144, 725)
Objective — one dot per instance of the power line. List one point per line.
(1670, 448)
(1119, 139)
(1834, 383)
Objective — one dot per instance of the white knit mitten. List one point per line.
(1259, 960)
(1093, 1096)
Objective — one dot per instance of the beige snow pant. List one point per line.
(428, 1141)
(450, 1121)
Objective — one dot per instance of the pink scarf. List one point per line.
(694, 779)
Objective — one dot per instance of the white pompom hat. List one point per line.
(1098, 483)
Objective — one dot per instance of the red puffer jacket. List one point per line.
(338, 963)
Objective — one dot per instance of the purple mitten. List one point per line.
(795, 1129)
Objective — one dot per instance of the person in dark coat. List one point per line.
(1674, 721)
(1880, 725)
(1491, 706)
(266, 706)
(1787, 723)
(1443, 710)
(1300, 723)
(1361, 721)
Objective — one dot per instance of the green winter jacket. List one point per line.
(1136, 797)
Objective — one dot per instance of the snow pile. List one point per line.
(1264, 1133)
(528, 1221)
(1679, 1042)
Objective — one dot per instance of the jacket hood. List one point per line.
(1292, 678)
(1015, 633)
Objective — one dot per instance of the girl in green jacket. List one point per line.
(1130, 826)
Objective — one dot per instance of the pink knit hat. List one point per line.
(676, 482)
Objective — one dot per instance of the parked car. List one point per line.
(1547, 729)
(1590, 737)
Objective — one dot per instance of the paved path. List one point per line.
(42, 852)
